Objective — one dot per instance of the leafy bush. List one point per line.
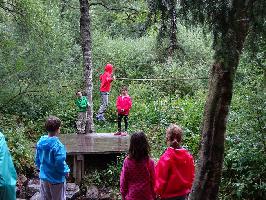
(108, 177)
(21, 148)
(244, 165)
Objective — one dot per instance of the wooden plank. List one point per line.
(78, 167)
(95, 143)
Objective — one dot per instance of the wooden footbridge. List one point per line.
(78, 145)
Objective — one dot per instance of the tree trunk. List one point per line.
(87, 60)
(63, 8)
(173, 41)
(228, 50)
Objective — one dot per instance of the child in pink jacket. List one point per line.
(123, 105)
(174, 171)
(137, 176)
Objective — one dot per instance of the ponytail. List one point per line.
(174, 144)
(174, 135)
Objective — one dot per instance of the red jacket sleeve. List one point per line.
(118, 104)
(124, 180)
(161, 175)
(128, 104)
(192, 170)
(109, 78)
(152, 173)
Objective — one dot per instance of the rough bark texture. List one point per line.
(173, 28)
(228, 50)
(87, 60)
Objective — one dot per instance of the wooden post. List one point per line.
(78, 167)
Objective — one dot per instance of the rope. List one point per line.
(159, 79)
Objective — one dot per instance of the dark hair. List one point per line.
(124, 88)
(52, 124)
(174, 135)
(78, 92)
(139, 148)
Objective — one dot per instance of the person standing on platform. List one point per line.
(123, 105)
(82, 104)
(106, 81)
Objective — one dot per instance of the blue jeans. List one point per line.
(104, 104)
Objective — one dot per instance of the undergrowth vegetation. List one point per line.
(40, 78)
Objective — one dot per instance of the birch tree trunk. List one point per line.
(87, 59)
(227, 54)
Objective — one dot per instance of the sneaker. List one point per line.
(100, 118)
(118, 133)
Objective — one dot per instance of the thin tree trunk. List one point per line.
(163, 28)
(173, 28)
(87, 60)
(63, 8)
(228, 50)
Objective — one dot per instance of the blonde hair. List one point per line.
(174, 135)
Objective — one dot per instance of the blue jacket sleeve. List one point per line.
(60, 160)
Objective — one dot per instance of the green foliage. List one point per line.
(107, 178)
(20, 145)
(41, 68)
(112, 174)
(131, 57)
(119, 18)
(244, 167)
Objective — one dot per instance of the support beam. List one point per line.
(78, 167)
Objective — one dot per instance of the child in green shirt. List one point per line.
(82, 104)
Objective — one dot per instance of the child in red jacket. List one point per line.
(175, 170)
(123, 105)
(137, 175)
(106, 80)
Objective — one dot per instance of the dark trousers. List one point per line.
(119, 120)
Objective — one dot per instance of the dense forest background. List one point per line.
(41, 67)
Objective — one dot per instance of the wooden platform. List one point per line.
(94, 143)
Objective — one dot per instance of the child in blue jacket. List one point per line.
(51, 161)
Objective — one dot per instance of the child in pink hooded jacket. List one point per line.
(123, 105)
(137, 176)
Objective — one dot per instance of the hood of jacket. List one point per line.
(178, 155)
(109, 68)
(46, 142)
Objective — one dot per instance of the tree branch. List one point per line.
(20, 93)
(10, 8)
(121, 9)
(7, 9)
